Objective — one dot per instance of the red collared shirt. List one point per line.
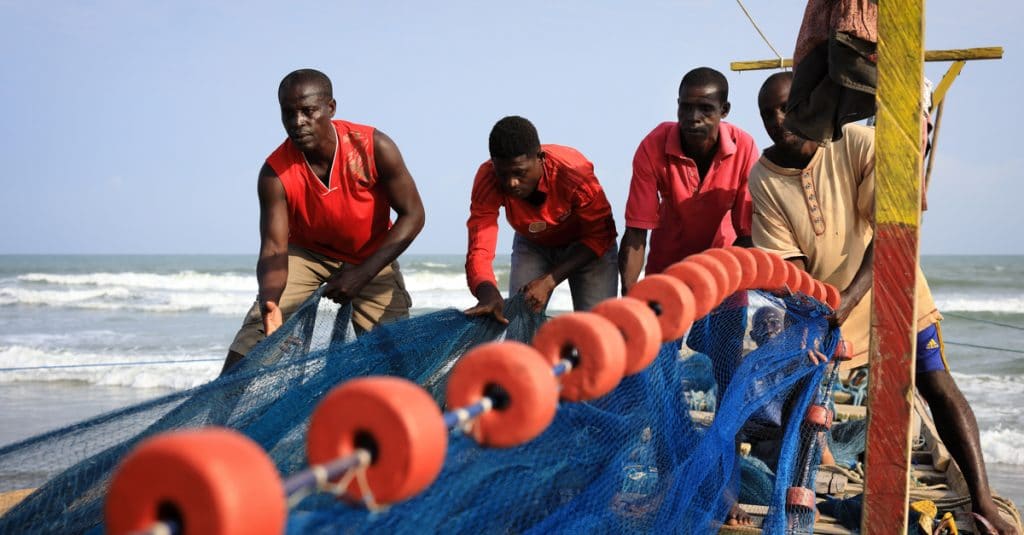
(574, 210)
(688, 216)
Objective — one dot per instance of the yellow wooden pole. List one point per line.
(898, 139)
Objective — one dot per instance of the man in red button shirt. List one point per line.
(563, 223)
(687, 177)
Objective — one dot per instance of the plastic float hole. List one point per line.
(571, 354)
(364, 440)
(655, 306)
(500, 399)
(168, 513)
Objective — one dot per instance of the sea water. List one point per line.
(129, 328)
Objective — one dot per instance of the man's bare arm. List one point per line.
(405, 201)
(272, 266)
(631, 256)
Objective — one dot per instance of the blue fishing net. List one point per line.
(641, 459)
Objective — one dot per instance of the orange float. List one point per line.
(700, 280)
(725, 279)
(671, 300)
(772, 270)
(818, 417)
(747, 264)
(800, 498)
(595, 347)
(818, 291)
(832, 297)
(518, 380)
(392, 418)
(639, 328)
(208, 480)
(732, 267)
(793, 277)
(805, 284)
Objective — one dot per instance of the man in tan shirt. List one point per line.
(814, 205)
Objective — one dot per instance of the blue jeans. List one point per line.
(594, 282)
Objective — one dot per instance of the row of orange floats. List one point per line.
(380, 440)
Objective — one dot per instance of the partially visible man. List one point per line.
(814, 205)
(687, 177)
(563, 223)
(326, 196)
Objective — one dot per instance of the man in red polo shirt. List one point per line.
(687, 176)
(326, 196)
(563, 223)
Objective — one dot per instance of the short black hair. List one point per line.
(513, 136)
(706, 76)
(774, 79)
(308, 76)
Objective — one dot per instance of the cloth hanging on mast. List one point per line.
(835, 69)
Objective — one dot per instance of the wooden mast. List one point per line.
(898, 158)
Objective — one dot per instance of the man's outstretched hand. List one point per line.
(346, 284)
(490, 303)
(537, 292)
(272, 317)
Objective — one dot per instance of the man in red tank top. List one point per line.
(326, 196)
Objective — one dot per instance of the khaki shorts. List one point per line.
(384, 299)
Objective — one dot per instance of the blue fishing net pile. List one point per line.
(633, 461)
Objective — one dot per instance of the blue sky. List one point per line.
(139, 127)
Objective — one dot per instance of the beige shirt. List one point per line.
(825, 213)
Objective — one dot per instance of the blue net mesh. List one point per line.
(648, 457)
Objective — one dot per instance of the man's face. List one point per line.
(772, 103)
(306, 115)
(700, 110)
(767, 324)
(519, 176)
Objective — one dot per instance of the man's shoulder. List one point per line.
(743, 140)
(564, 154)
(570, 164)
(660, 133)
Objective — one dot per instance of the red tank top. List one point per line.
(346, 221)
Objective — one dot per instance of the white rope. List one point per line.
(766, 41)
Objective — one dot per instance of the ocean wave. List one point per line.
(182, 280)
(980, 303)
(1003, 446)
(131, 371)
(121, 298)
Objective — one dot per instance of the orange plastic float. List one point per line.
(671, 300)
(518, 380)
(805, 284)
(723, 265)
(800, 498)
(832, 296)
(701, 282)
(818, 291)
(844, 351)
(595, 347)
(771, 269)
(818, 417)
(724, 280)
(747, 266)
(639, 328)
(793, 277)
(392, 418)
(209, 480)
